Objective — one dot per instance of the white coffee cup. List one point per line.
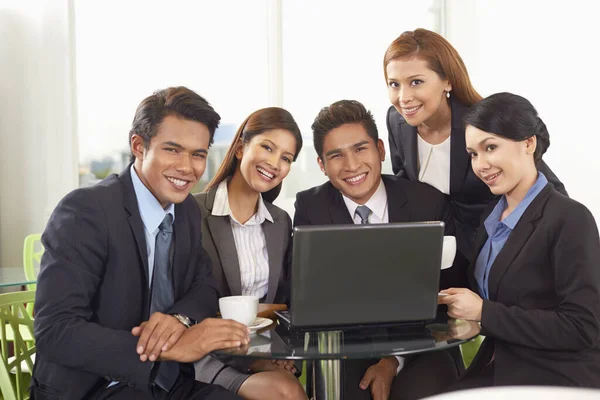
(242, 309)
(448, 251)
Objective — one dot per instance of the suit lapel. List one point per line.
(134, 219)
(460, 163)
(137, 229)
(481, 237)
(337, 208)
(396, 201)
(517, 239)
(182, 247)
(411, 152)
(512, 247)
(222, 236)
(274, 232)
(480, 240)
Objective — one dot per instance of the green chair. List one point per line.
(470, 349)
(32, 257)
(15, 367)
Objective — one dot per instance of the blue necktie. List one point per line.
(163, 296)
(363, 212)
(162, 286)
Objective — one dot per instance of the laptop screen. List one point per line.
(365, 274)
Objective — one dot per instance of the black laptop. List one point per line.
(354, 275)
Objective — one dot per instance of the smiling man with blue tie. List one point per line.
(125, 293)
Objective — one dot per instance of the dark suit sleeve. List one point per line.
(72, 269)
(456, 276)
(575, 323)
(552, 178)
(396, 153)
(284, 290)
(445, 215)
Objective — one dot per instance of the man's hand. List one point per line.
(156, 335)
(209, 335)
(462, 303)
(273, 365)
(380, 377)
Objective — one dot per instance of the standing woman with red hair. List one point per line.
(430, 92)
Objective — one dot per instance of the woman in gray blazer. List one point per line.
(249, 241)
(534, 279)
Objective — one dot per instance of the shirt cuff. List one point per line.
(400, 364)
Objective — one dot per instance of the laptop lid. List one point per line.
(365, 274)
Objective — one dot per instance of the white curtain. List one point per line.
(544, 51)
(38, 144)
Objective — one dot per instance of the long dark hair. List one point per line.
(510, 116)
(258, 122)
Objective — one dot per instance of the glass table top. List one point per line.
(279, 342)
(13, 276)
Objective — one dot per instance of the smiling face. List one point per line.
(352, 161)
(174, 160)
(505, 165)
(416, 91)
(266, 159)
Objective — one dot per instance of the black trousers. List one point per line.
(185, 388)
(423, 375)
(475, 379)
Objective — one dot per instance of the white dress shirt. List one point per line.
(434, 164)
(378, 204)
(250, 243)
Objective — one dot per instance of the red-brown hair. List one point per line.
(441, 57)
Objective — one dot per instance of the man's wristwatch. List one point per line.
(184, 319)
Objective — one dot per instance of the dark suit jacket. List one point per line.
(407, 202)
(217, 239)
(469, 196)
(542, 321)
(93, 289)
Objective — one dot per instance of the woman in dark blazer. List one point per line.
(535, 281)
(248, 240)
(430, 92)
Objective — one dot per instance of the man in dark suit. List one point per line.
(125, 292)
(350, 154)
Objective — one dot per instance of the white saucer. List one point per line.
(259, 323)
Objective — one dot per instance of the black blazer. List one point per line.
(407, 202)
(542, 321)
(469, 196)
(93, 289)
(217, 239)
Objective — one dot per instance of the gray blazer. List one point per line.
(219, 244)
